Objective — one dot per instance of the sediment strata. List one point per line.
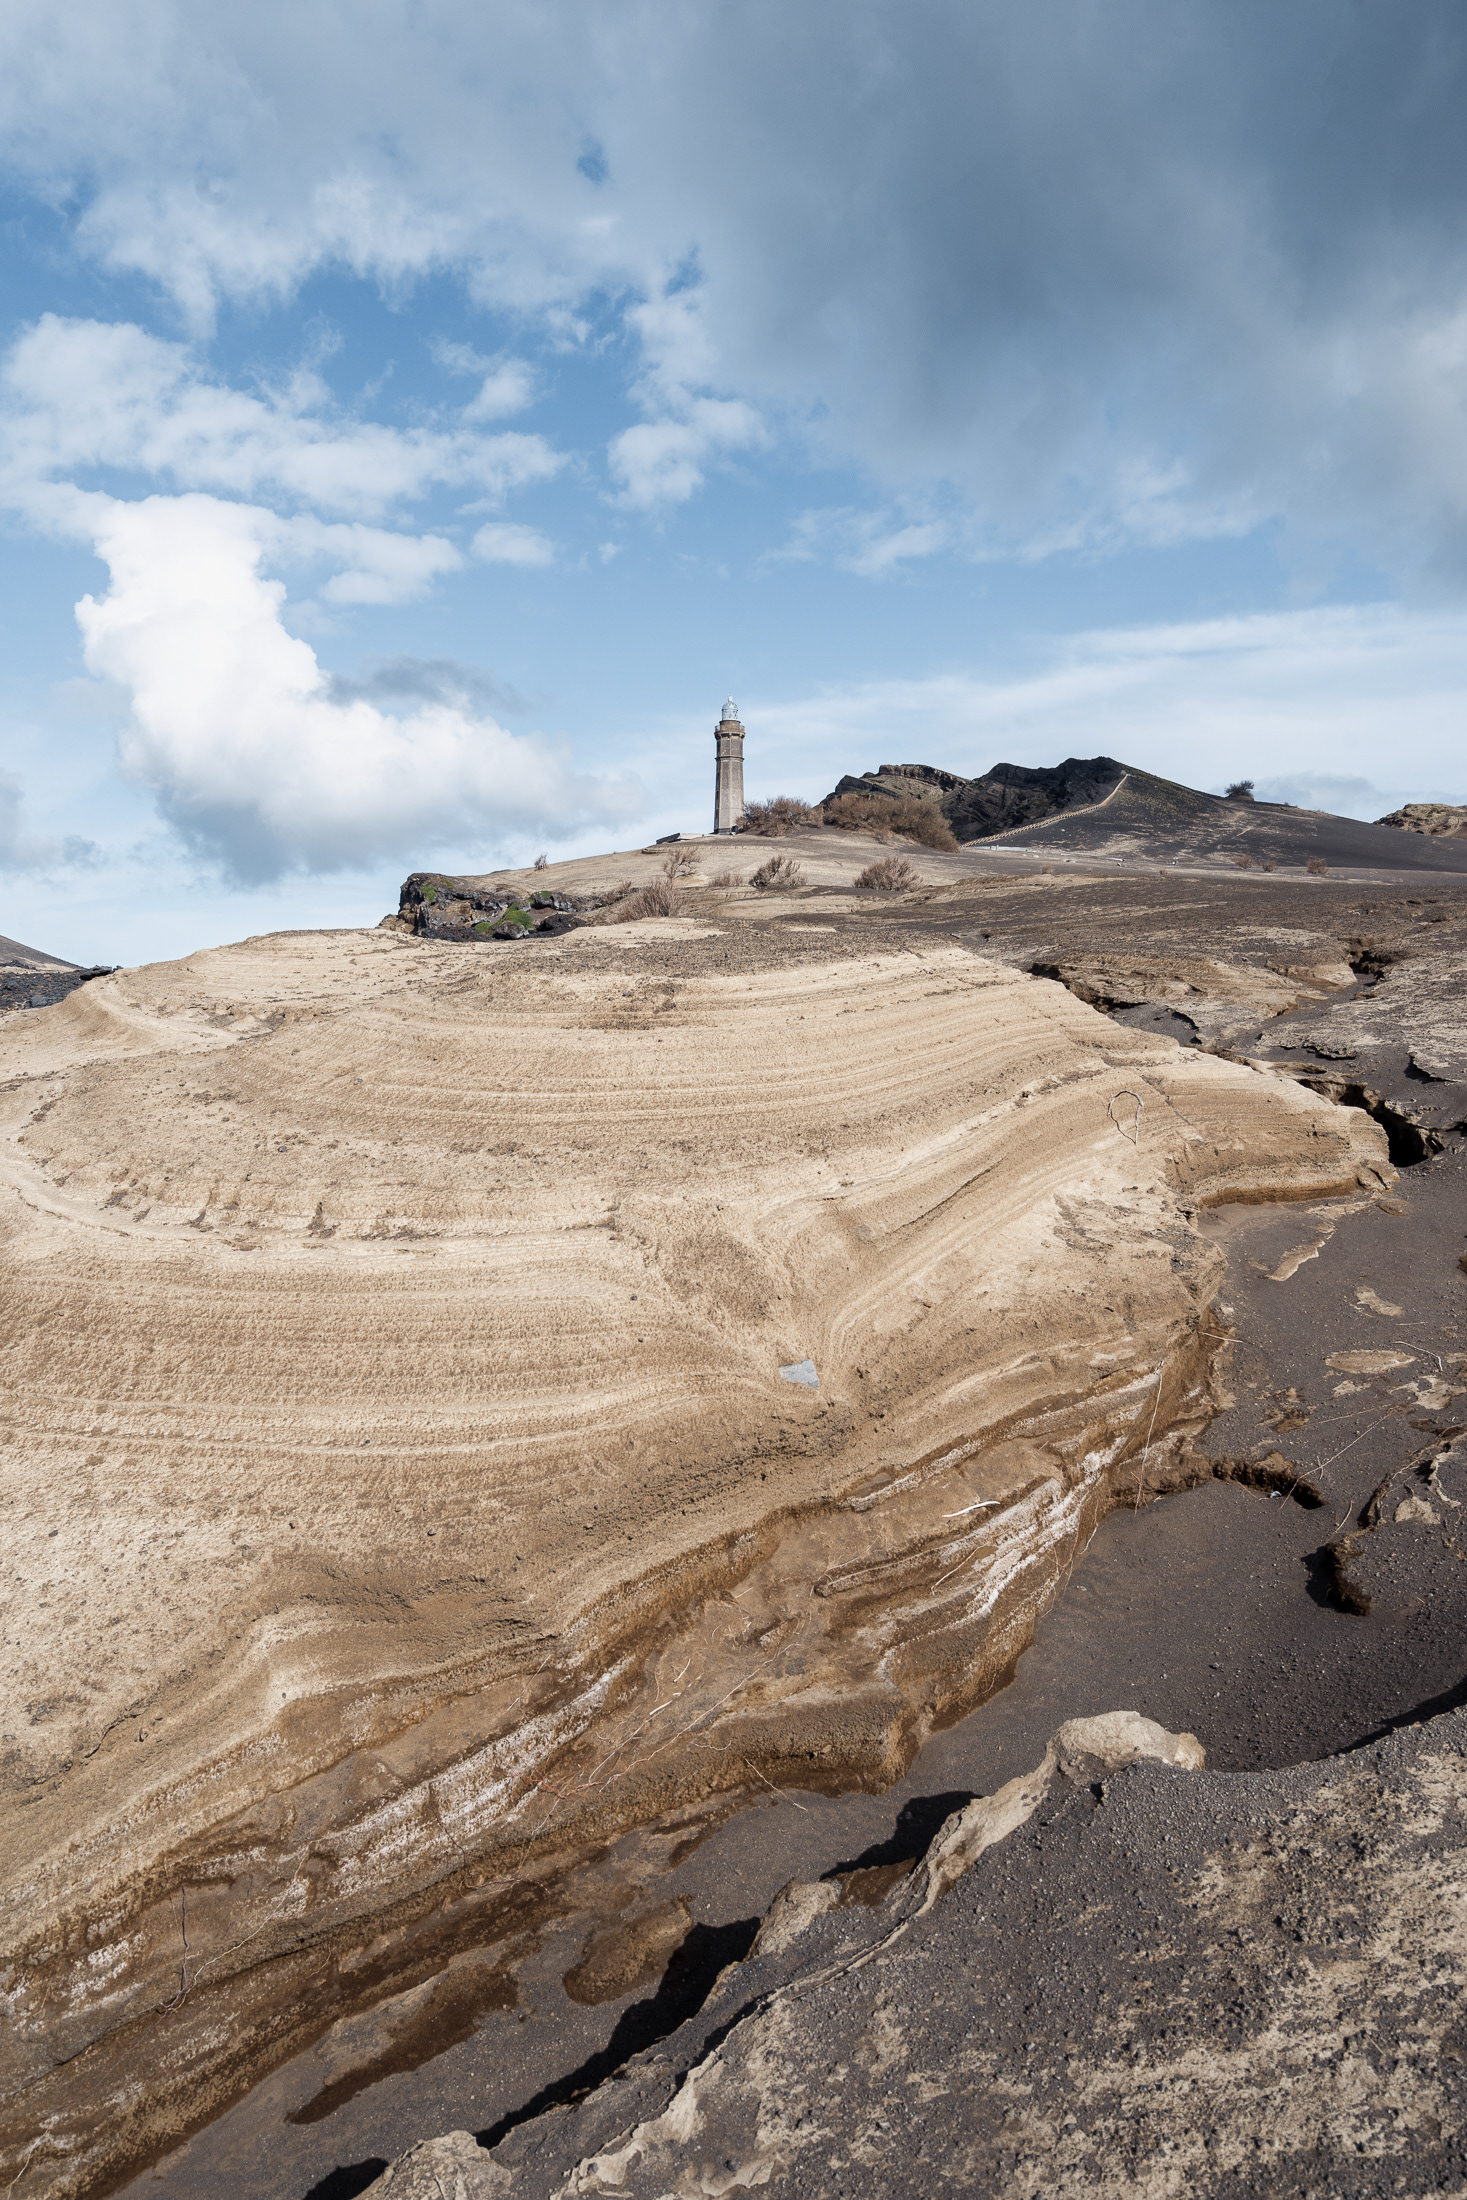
(402, 1489)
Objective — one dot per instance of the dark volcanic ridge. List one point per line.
(1000, 800)
(1099, 806)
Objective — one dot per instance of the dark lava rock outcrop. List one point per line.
(1448, 819)
(30, 978)
(1008, 796)
(438, 908)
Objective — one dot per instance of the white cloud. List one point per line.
(1165, 275)
(504, 543)
(663, 461)
(84, 394)
(374, 564)
(508, 389)
(508, 385)
(869, 543)
(235, 729)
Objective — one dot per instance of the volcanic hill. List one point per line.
(1097, 806)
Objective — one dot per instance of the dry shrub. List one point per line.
(679, 863)
(907, 816)
(1244, 863)
(617, 893)
(888, 875)
(1266, 863)
(778, 871)
(781, 814)
(659, 898)
(542, 863)
(1316, 866)
(728, 878)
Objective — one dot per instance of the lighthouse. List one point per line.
(728, 788)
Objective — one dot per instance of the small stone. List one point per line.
(802, 1371)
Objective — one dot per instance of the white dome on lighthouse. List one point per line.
(730, 713)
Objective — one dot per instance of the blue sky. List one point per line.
(417, 416)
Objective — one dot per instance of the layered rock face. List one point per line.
(402, 1488)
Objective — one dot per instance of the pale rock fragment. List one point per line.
(454, 2167)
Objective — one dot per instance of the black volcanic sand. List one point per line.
(1170, 823)
(1214, 1611)
(1239, 1986)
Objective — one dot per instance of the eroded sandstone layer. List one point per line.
(401, 1487)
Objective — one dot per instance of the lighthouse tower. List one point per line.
(728, 791)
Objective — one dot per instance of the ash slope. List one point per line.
(1097, 806)
(1160, 819)
(13, 954)
(392, 1339)
(1155, 1980)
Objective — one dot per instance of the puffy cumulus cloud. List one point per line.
(84, 395)
(1271, 697)
(1129, 274)
(252, 753)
